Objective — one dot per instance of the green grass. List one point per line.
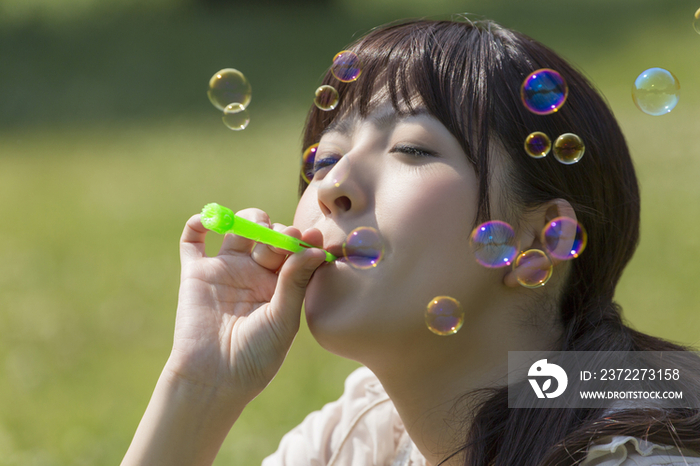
(89, 279)
(93, 204)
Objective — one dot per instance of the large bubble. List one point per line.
(656, 91)
(544, 91)
(444, 315)
(236, 117)
(533, 268)
(568, 148)
(494, 244)
(564, 238)
(363, 248)
(346, 66)
(326, 98)
(537, 145)
(229, 86)
(308, 159)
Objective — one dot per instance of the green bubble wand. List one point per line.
(222, 220)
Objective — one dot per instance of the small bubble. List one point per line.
(444, 315)
(346, 66)
(229, 86)
(564, 238)
(533, 268)
(696, 21)
(568, 148)
(656, 91)
(236, 117)
(326, 98)
(544, 91)
(307, 162)
(363, 248)
(494, 244)
(537, 145)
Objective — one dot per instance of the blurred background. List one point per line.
(108, 143)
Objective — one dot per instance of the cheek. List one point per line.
(437, 214)
(430, 229)
(307, 210)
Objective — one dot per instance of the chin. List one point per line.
(337, 320)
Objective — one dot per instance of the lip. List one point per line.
(362, 258)
(336, 250)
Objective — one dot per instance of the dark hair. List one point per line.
(468, 76)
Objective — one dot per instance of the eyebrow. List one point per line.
(383, 120)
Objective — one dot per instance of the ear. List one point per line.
(530, 229)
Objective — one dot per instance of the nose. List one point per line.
(343, 189)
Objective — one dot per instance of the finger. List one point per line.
(192, 240)
(294, 277)
(271, 257)
(314, 237)
(237, 244)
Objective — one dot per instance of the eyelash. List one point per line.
(331, 159)
(325, 161)
(413, 151)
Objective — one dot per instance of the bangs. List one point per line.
(416, 65)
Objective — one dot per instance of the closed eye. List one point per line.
(413, 150)
(324, 161)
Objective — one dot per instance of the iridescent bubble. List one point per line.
(656, 91)
(307, 162)
(346, 66)
(696, 21)
(537, 145)
(564, 238)
(568, 148)
(326, 98)
(229, 86)
(544, 91)
(494, 243)
(363, 248)
(236, 116)
(533, 268)
(444, 315)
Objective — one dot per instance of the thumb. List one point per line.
(294, 276)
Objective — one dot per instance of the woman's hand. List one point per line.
(237, 316)
(238, 312)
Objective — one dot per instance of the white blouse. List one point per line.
(363, 428)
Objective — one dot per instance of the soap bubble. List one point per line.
(568, 148)
(346, 66)
(236, 117)
(544, 91)
(321, 161)
(696, 21)
(537, 145)
(326, 98)
(307, 162)
(444, 315)
(494, 243)
(656, 91)
(229, 86)
(564, 238)
(533, 268)
(363, 248)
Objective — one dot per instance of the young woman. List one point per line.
(423, 147)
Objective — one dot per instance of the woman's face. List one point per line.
(408, 178)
